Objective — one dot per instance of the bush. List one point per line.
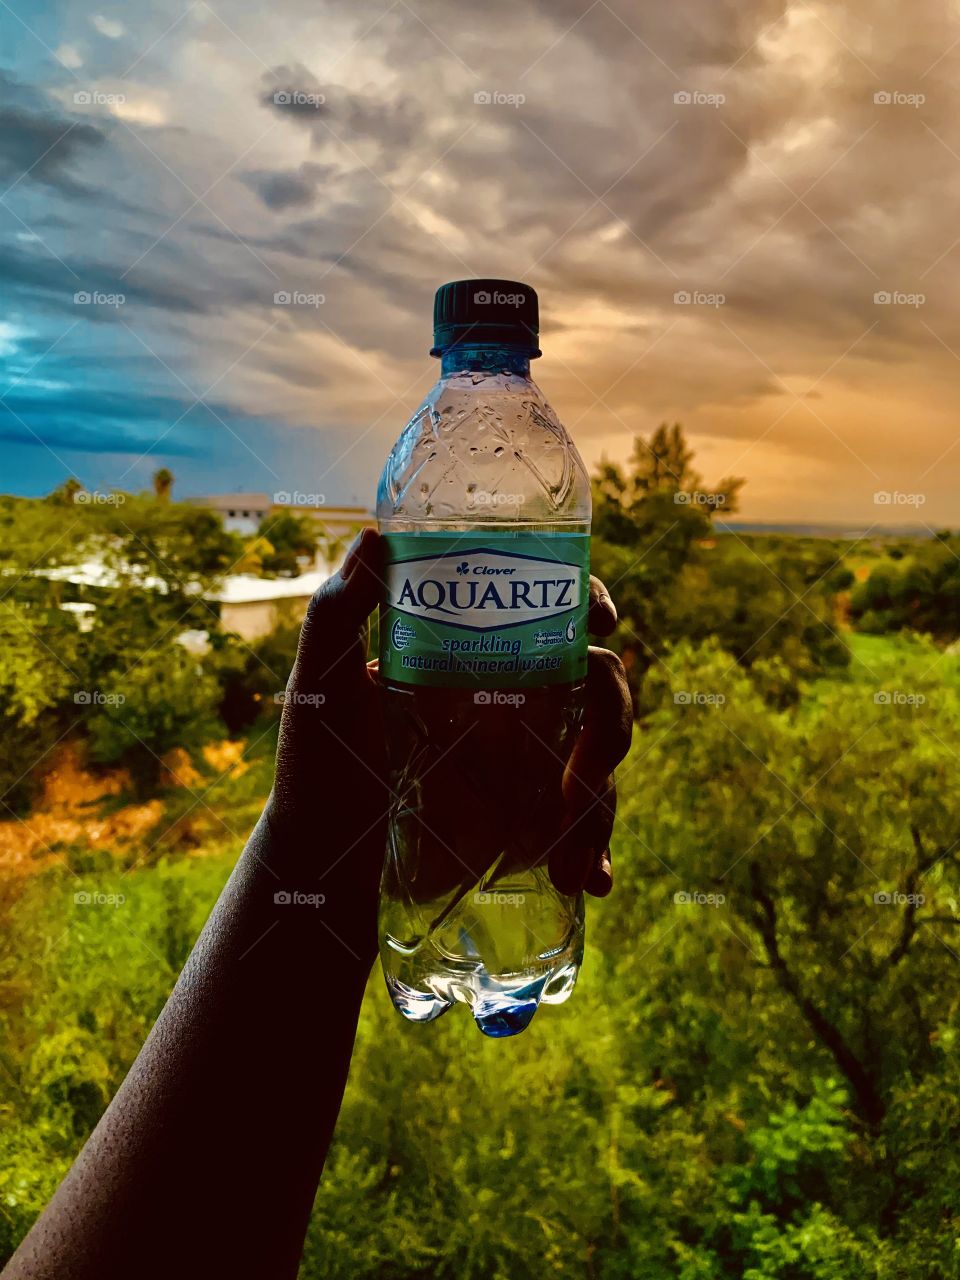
(37, 657)
(166, 700)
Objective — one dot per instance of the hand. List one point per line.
(331, 791)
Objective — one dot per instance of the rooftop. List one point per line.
(244, 588)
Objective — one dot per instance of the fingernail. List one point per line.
(600, 880)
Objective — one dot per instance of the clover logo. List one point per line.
(463, 567)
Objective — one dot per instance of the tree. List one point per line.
(143, 572)
(647, 520)
(761, 601)
(660, 465)
(163, 484)
(39, 674)
(282, 539)
(65, 494)
(919, 591)
(815, 855)
(674, 576)
(164, 700)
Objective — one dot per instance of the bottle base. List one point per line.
(501, 1007)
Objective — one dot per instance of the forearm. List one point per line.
(207, 1160)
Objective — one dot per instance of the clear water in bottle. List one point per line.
(485, 507)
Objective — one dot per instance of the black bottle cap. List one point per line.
(486, 312)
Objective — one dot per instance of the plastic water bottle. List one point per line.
(485, 507)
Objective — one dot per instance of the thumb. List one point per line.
(331, 649)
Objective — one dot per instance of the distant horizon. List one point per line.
(867, 528)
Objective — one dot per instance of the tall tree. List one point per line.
(648, 517)
(163, 484)
(66, 493)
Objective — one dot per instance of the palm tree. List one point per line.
(67, 491)
(163, 484)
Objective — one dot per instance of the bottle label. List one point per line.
(495, 610)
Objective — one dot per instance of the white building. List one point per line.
(251, 607)
(242, 512)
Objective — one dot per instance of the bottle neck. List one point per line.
(485, 359)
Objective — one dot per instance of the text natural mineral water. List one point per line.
(485, 505)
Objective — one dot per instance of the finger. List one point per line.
(602, 613)
(331, 651)
(581, 856)
(607, 728)
(589, 793)
(600, 877)
(329, 728)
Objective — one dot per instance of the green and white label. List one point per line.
(495, 610)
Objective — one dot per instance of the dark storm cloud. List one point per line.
(51, 283)
(294, 91)
(333, 110)
(797, 198)
(97, 420)
(280, 190)
(45, 149)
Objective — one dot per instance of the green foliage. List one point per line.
(919, 590)
(32, 678)
(759, 603)
(152, 563)
(38, 651)
(674, 578)
(757, 1078)
(647, 520)
(768, 1086)
(166, 700)
(144, 567)
(282, 537)
(80, 986)
(251, 675)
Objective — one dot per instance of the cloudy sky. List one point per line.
(780, 166)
